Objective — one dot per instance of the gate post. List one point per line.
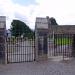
(2, 40)
(36, 45)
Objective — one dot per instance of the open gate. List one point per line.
(60, 45)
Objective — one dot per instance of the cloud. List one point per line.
(62, 10)
(16, 11)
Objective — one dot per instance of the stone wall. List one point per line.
(2, 39)
(62, 29)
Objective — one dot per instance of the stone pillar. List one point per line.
(2, 39)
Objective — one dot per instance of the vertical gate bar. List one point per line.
(7, 47)
(10, 52)
(34, 49)
(63, 43)
(16, 57)
(54, 46)
(27, 51)
(13, 49)
(57, 51)
(65, 46)
(31, 52)
(20, 47)
(16, 51)
(59, 44)
(25, 48)
(30, 49)
(71, 35)
(19, 56)
(68, 47)
(70, 43)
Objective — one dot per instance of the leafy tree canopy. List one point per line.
(53, 21)
(19, 28)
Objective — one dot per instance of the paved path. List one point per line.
(39, 68)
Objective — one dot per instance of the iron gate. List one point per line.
(60, 45)
(23, 49)
(20, 49)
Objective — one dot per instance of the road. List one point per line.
(48, 67)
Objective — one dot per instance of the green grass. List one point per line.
(63, 41)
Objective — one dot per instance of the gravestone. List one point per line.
(2, 39)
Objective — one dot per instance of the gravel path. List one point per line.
(47, 67)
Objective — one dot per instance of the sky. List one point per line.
(27, 11)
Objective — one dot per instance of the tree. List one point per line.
(53, 21)
(19, 28)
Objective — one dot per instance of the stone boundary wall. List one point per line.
(62, 29)
(2, 39)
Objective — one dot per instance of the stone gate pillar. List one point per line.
(41, 31)
(2, 39)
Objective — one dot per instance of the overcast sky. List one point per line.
(27, 11)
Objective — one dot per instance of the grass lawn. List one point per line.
(63, 41)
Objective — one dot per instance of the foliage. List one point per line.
(53, 21)
(19, 28)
